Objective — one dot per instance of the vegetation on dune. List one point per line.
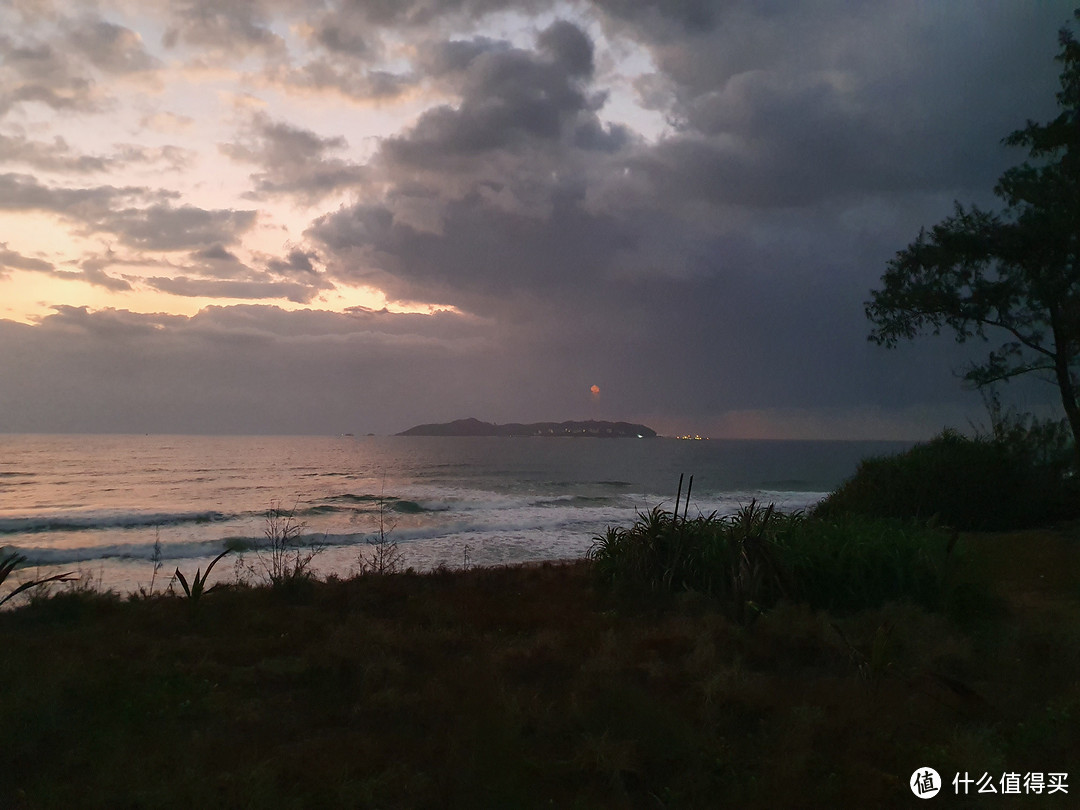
(965, 483)
(750, 561)
(730, 651)
(538, 687)
(1016, 473)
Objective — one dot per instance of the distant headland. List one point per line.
(591, 428)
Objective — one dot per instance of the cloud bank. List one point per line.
(405, 212)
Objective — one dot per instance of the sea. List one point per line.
(124, 512)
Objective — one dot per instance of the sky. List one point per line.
(353, 216)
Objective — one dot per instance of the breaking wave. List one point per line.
(117, 520)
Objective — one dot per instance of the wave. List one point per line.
(114, 520)
(392, 502)
(575, 500)
(36, 555)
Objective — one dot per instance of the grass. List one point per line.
(542, 687)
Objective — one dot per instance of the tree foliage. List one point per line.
(1014, 274)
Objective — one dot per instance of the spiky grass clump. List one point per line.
(10, 561)
(729, 558)
(197, 588)
(754, 558)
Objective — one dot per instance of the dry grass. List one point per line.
(536, 687)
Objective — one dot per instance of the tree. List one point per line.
(1015, 274)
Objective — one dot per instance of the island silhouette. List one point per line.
(588, 429)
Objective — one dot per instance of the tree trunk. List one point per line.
(1072, 413)
(1065, 385)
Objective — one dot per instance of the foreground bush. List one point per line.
(752, 559)
(730, 558)
(979, 484)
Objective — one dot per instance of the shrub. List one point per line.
(751, 560)
(730, 558)
(282, 557)
(974, 484)
(383, 555)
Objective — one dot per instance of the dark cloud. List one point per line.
(347, 77)
(452, 57)
(59, 157)
(94, 267)
(57, 69)
(510, 98)
(56, 156)
(167, 227)
(13, 260)
(110, 47)
(215, 272)
(729, 259)
(791, 103)
(233, 369)
(227, 28)
(675, 18)
(218, 263)
(715, 272)
(99, 278)
(484, 255)
(364, 15)
(90, 274)
(215, 253)
(31, 70)
(293, 161)
(298, 264)
(215, 288)
(91, 205)
(569, 46)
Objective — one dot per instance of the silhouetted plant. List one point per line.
(9, 562)
(282, 557)
(383, 554)
(148, 593)
(198, 584)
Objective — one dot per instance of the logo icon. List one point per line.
(925, 783)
